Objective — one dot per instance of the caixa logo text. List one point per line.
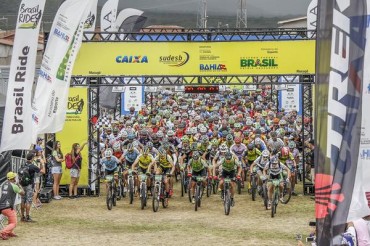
(365, 154)
(132, 59)
(213, 67)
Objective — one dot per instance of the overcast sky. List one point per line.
(227, 7)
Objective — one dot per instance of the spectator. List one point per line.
(40, 163)
(9, 190)
(56, 170)
(28, 188)
(362, 231)
(76, 169)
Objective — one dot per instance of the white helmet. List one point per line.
(223, 148)
(116, 146)
(265, 153)
(194, 130)
(124, 134)
(108, 153)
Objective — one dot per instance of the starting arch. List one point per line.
(194, 57)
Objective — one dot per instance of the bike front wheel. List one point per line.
(155, 202)
(227, 201)
(109, 199)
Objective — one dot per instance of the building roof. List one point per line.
(292, 20)
(7, 38)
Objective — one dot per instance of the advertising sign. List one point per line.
(133, 96)
(75, 130)
(195, 58)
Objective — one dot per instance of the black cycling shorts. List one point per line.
(202, 173)
(226, 174)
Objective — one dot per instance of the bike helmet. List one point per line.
(258, 141)
(150, 145)
(162, 151)
(214, 142)
(249, 122)
(131, 136)
(194, 130)
(160, 134)
(285, 151)
(223, 148)
(229, 137)
(228, 155)
(108, 153)
(203, 130)
(238, 140)
(124, 134)
(274, 160)
(185, 139)
(265, 153)
(204, 139)
(250, 146)
(292, 145)
(196, 155)
(116, 146)
(170, 133)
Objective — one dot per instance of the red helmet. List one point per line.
(285, 151)
(238, 140)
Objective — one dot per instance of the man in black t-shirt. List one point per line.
(28, 189)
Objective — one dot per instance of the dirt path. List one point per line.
(86, 221)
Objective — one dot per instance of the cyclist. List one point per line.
(110, 164)
(258, 165)
(229, 164)
(143, 160)
(163, 164)
(274, 170)
(275, 144)
(197, 167)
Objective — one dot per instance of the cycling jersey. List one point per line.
(261, 163)
(283, 159)
(131, 157)
(144, 161)
(238, 150)
(231, 166)
(275, 170)
(164, 161)
(110, 164)
(197, 166)
(253, 154)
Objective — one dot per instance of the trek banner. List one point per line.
(341, 45)
(50, 100)
(17, 127)
(195, 58)
(75, 131)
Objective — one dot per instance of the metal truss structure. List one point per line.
(189, 35)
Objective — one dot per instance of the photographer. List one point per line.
(9, 191)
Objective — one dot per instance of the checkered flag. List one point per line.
(103, 122)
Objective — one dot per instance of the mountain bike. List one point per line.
(159, 193)
(215, 185)
(275, 196)
(184, 182)
(198, 191)
(111, 192)
(209, 186)
(131, 185)
(254, 185)
(143, 190)
(287, 192)
(227, 195)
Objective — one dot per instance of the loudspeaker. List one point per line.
(46, 195)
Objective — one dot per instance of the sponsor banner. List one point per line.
(312, 16)
(17, 127)
(340, 81)
(290, 98)
(65, 38)
(108, 17)
(134, 96)
(195, 58)
(75, 131)
(359, 204)
(90, 22)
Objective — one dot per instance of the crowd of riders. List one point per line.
(229, 134)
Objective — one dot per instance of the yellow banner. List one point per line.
(75, 131)
(195, 58)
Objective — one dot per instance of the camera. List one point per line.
(312, 223)
(310, 239)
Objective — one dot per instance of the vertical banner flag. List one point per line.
(108, 17)
(75, 130)
(90, 21)
(340, 77)
(134, 96)
(50, 100)
(361, 191)
(17, 127)
(312, 17)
